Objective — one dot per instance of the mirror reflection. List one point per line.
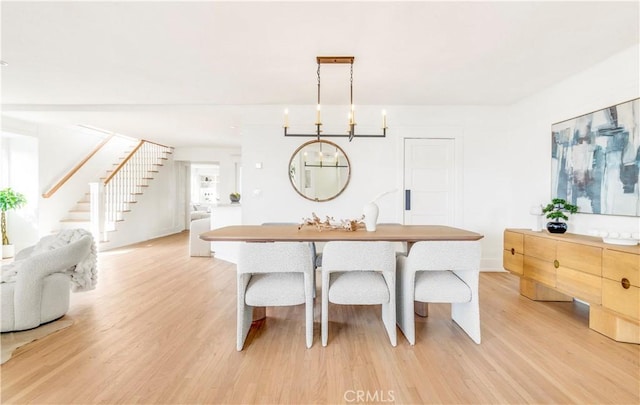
(319, 170)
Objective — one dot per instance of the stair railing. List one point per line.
(77, 167)
(129, 178)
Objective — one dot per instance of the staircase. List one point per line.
(79, 216)
(118, 191)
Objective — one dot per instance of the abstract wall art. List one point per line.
(595, 160)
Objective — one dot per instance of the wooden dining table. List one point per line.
(409, 234)
(310, 233)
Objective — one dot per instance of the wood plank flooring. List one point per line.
(161, 328)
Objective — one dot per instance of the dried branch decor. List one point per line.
(331, 224)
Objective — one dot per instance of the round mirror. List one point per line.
(319, 170)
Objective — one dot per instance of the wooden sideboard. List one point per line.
(559, 267)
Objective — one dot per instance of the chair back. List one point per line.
(358, 256)
(444, 255)
(274, 257)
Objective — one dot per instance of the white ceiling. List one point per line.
(184, 73)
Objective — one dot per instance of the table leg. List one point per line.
(421, 308)
(259, 313)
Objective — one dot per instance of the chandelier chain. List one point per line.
(318, 83)
(351, 84)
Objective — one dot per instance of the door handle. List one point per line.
(407, 200)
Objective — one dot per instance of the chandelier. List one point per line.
(351, 131)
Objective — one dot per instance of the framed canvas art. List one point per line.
(595, 160)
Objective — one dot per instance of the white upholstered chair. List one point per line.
(40, 292)
(359, 273)
(274, 274)
(197, 246)
(440, 271)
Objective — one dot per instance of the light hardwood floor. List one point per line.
(160, 328)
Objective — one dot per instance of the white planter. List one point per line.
(8, 251)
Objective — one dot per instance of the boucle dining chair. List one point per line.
(440, 272)
(359, 273)
(271, 275)
(316, 258)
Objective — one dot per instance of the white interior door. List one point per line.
(429, 178)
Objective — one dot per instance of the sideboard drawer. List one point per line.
(514, 242)
(584, 286)
(513, 261)
(540, 270)
(618, 265)
(620, 299)
(541, 248)
(587, 259)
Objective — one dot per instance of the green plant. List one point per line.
(9, 200)
(557, 207)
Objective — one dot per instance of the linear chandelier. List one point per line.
(351, 131)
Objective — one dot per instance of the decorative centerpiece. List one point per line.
(234, 197)
(9, 200)
(555, 211)
(331, 224)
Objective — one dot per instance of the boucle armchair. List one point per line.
(40, 292)
(270, 275)
(197, 246)
(359, 273)
(440, 272)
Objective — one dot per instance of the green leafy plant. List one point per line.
(557, 207)
(9, 200)
(235, 196)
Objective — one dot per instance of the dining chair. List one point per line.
(316, 258)
(271, 275)
(359, 273)
(440, 272)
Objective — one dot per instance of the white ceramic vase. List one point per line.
(370, 212)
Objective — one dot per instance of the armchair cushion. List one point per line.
(275, 289)
(440, 286)
(372, 288)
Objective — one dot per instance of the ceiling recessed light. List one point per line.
(3, 63)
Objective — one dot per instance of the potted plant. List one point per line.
(555, 211)
(9, 200)
(234, 197)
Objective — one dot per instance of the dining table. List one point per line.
(310, 233)
(408, 234)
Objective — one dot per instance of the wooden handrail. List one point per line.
(124, 162)
(159, 144)
(76, 167)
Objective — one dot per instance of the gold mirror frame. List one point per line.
(340, 161)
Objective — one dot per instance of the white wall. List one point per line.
(158, 212)
(613, 81)
(377, 166)
(504, 156)
(505, 153)
(19, 170)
